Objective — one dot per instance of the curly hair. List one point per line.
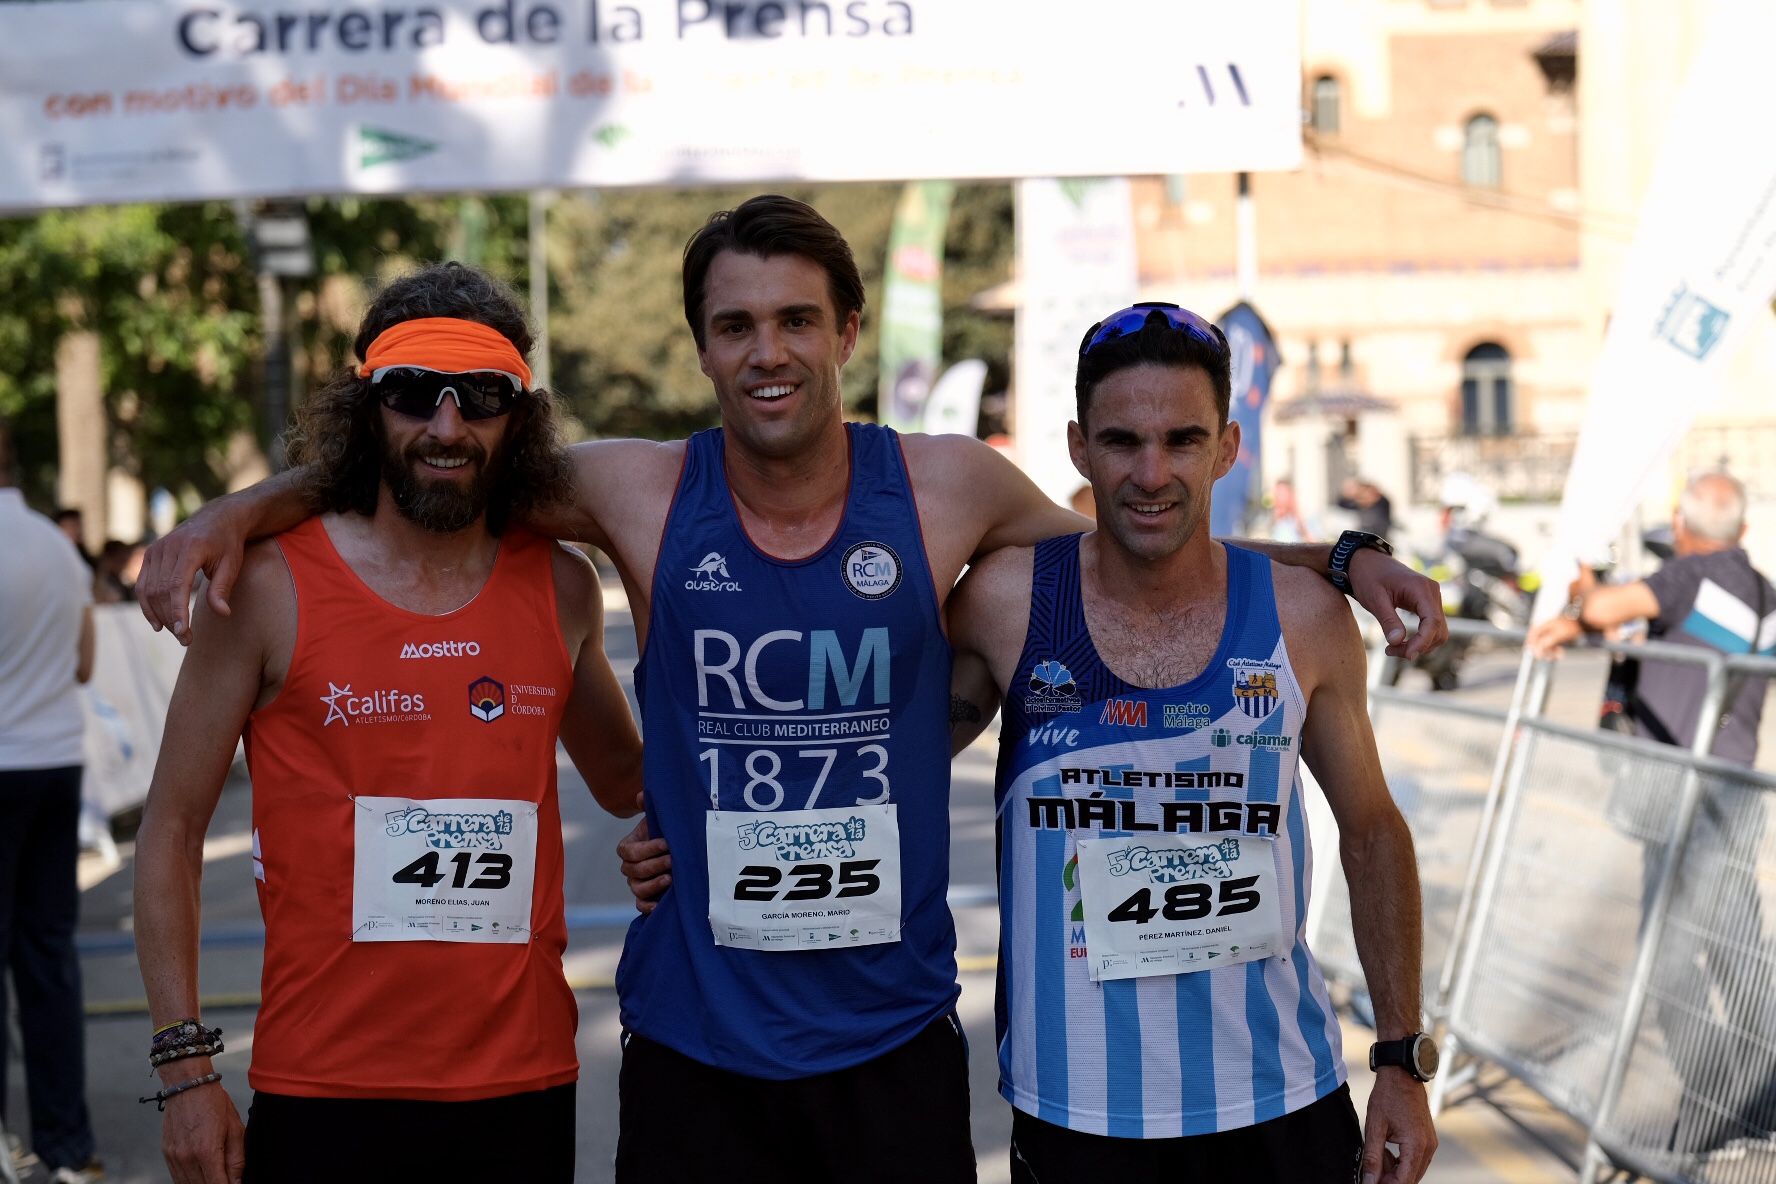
(337, 434)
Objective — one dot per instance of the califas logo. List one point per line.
(872, 570)
(1052, 690)
(450, 832)
(711, 575)
(1174, 865)
(344, 706)
(1124, 713)
(487, 699)
(797, 842)
(441, 649)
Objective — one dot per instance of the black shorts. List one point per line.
(900, 1117)
(1318, 1144)
(528, 1137)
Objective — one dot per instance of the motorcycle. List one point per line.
(1481, 581)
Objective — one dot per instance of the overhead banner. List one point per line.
(912, 304)
(1076, 265)
(1253, 356)
(1702, 267)
(136, 100)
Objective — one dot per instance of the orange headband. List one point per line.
(444, 343)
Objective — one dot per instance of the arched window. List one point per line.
(1480, 153)
(1486, 391)
(1325, 105)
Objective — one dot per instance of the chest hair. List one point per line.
(1154, 649)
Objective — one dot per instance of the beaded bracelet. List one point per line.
(167, 1056)
(160, 1099)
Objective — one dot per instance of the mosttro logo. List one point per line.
(871, 570)
(711, 575)
(487, 699)
(441, 649)
(797, 842)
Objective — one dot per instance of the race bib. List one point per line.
(445, 869)
(804, 879)
(1173, 904)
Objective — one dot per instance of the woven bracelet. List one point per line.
(184, 1034)
(160, 1099)
(167, 1056)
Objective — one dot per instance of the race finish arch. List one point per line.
(106, 101)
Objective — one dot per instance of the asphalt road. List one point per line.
(1515, 1139)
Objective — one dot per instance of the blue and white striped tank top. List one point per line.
(1085, 755)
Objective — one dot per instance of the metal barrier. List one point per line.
(1598, 908)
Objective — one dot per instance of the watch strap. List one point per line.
(1348, 544)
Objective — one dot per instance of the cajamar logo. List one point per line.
(487, 699)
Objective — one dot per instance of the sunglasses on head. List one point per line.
(1136, 317)
(418, 392)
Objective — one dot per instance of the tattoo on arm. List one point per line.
(962, 711)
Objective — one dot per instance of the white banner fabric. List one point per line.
(1703, 266)
(134, 669)
(1076, 265)
(134, 100)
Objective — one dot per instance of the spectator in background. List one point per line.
(46, 648)
(1286, 522)
(1707, 595)
(114, 573)
(1375, 514)
(68, 520)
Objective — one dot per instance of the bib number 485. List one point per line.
(1190, 902)
(811, 881)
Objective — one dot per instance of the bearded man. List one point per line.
(400, 673)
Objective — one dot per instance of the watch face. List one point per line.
(1425, 1057)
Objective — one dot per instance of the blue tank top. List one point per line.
(1083, 754)
(769, 686)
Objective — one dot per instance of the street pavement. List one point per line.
(1507, 1135)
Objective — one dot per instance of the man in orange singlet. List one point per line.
(400, 670)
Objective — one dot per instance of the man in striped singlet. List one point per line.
(400, 668)
(1159, 1013)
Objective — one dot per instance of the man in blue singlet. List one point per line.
(794, 988)
(1159, 1013)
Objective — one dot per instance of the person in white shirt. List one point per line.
(46, 649)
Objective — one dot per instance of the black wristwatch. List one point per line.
(1417, 1054)
(1348, 544)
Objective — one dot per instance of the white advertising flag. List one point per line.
(1702, 266)
(1076, 264)
(134, 100)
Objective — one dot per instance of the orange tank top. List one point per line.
(406, 767)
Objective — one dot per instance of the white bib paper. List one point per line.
(1173, 904)
(444, 869)
(804, 879)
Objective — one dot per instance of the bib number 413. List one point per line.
(1190, 902)
(496, 871)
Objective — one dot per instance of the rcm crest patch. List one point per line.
(487, 699)
(871, 570)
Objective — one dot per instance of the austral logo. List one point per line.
(711, 575)
(441, 649)
(1052, 690)
(376, 707)
(872, 570)
(487, 699)
(1124, 713)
